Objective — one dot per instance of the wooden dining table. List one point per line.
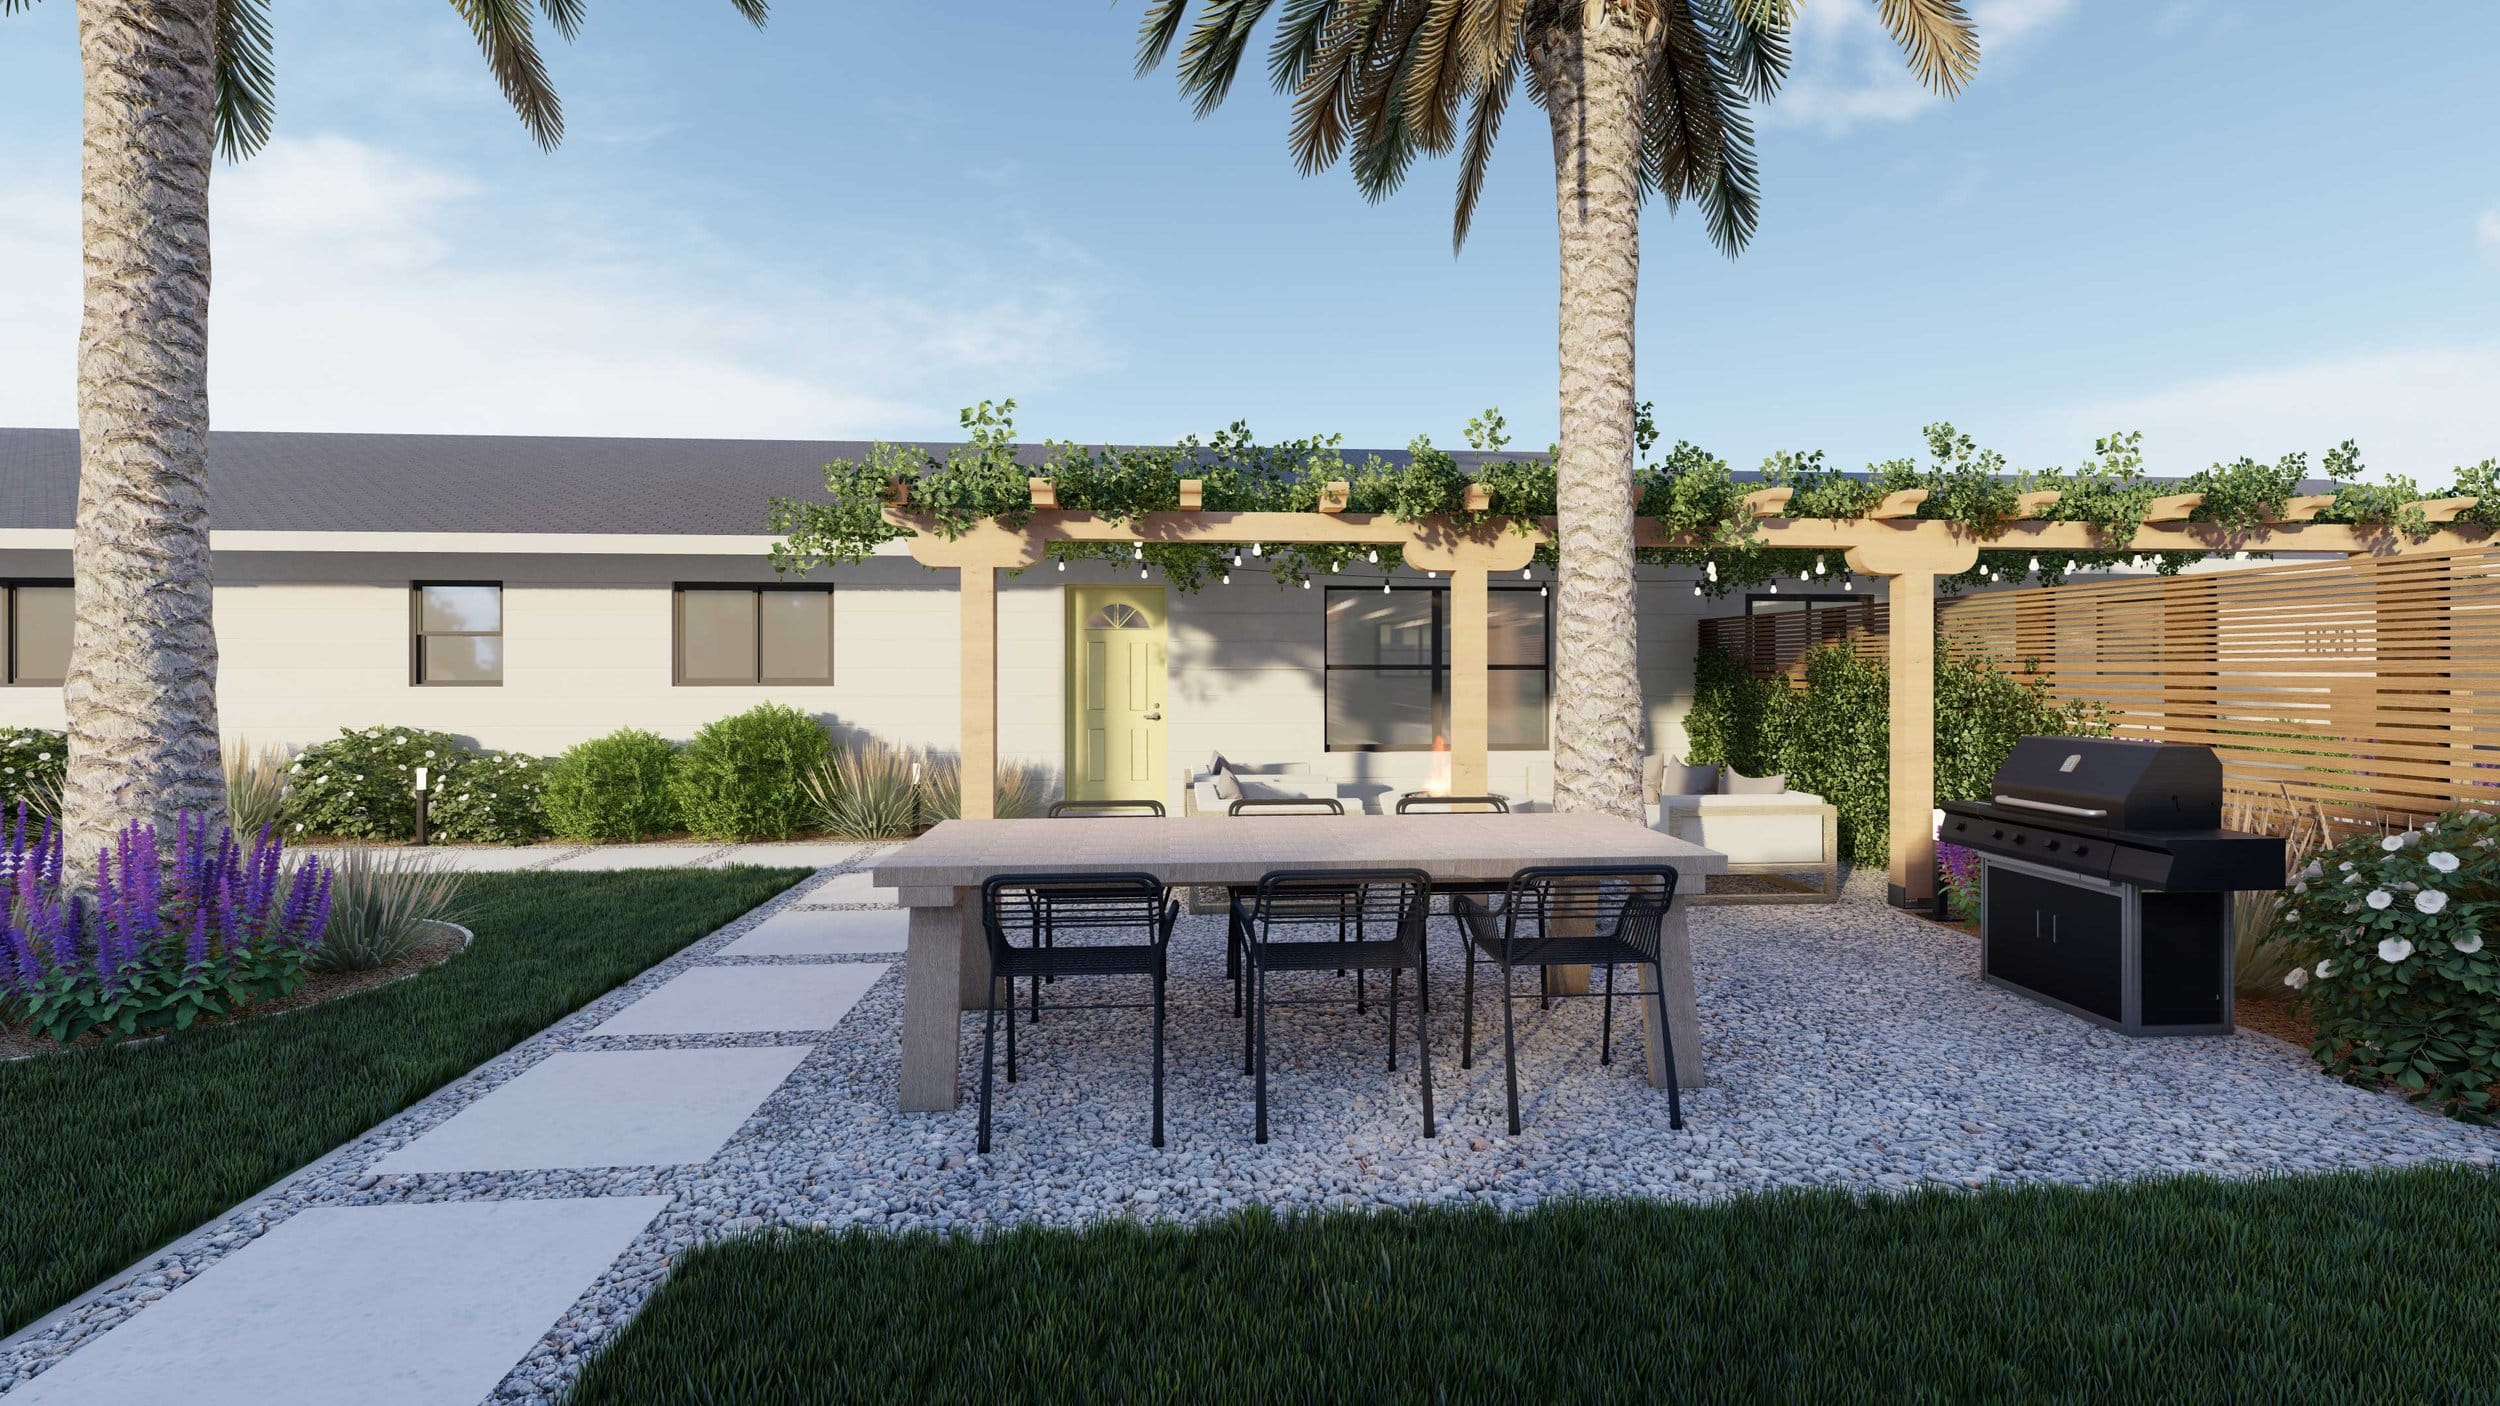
(939, 875)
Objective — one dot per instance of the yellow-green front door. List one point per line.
(1115, 693)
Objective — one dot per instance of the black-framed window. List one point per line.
(1388, 669)
(1784, 603)
(734, 634)
(456, 630)
(35, 623)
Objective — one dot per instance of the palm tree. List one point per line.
(168, 84)
(1644, 97)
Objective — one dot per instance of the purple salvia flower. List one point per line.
(195, 951)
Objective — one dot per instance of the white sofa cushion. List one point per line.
(1782, 829)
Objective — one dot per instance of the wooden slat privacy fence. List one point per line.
(2368, 688)
(1778, 642)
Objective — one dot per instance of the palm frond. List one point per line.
(505, 35)
(1696, 133)
(1757, 53)
(1484, 123)
(1297, 41)
(1212, 57)
(1156, 31)
(1323, 104)
(247, 77)
(565, 16)
(1433, 81)
(11, 7)
(1937, 36)
(755, 12)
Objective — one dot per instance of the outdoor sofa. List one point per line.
(1764, 829)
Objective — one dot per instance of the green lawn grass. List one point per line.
(2366, 1288)
(107, 1154)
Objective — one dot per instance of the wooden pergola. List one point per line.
(1891, 542)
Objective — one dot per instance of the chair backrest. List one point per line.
(1060, 810)
(1426, 803)
(1624, 901)
(1288, 805)
(1070, 906)
(1316, 904)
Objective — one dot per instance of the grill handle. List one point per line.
(2053, 808)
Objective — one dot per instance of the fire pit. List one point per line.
(2105, 881)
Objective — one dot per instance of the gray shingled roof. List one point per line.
(274, 482)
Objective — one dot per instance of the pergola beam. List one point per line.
(1910, 552)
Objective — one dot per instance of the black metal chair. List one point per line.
(1319, 919)
(1288, 805)
(1092, 810)
(1233, 893)
(1598, 915)
(1426, 803)
(1044, 909)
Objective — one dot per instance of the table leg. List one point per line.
(937, 974)
(1675, 944)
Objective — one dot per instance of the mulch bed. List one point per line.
(437, 947)
(2276, 1016)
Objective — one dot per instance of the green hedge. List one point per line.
(742, 778)
(1831, 733)
(612, 788)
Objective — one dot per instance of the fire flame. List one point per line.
(1437, 779)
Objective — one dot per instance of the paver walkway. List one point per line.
(435, 1300)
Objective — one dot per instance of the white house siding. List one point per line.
(312, 642)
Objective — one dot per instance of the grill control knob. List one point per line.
(2082, 849)
(2051, 847)
(2020, 837)
(1997, 834)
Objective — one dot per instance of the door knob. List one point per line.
(1155, 717)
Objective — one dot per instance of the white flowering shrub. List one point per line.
(492, 798)
(31, 763)
(362, 784)
(2395, 975)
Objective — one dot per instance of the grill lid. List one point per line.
(2119, 785)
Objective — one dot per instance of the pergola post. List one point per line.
(977, 776)
(1912, 674)
(1471, 684)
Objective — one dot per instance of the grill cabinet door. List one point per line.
(2060, 940)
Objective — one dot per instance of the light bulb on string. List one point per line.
(1523, 574)
(1258, 548)
(1540, 591)
(1818, 566)
(1372, 556)
(2034, 568)
(1710, 569)
(1228, 578)
(1306, 583)
(1384, 588)
(1063, 563)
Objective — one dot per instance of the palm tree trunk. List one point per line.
(1592, 76)
(142, 687)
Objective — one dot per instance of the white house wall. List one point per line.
(312, 642)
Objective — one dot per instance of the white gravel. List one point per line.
(1851, 1047)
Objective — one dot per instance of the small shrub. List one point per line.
(256, 780)
(379, 902)
(492, 798)
(865, 792)
(741, 777)
(1959, 867)
(1023, 790)
(2400, 985)
(157, 945)
(2263, 953)
(612, 788)
(31, 765)
(361, 785)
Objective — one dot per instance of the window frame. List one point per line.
(1809, 599)
(418, 633)
(10, 675)
(1438, 669)
(677, 634)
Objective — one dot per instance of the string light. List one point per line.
(1523, 574)
(1139, 551)
(1775, 588)
(1711, 569)
(2035, 565)
(1818, 566)
(1063, 563)
(1384, 588)
(1258, 548)
(1696, 588)
(1236, 556)
(1141, 573)
(1228, 578)
(1372, 556)
(1306, 583)
(1540, 590)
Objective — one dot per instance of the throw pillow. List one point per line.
(1677, 778)
(1736, 783)
(1227, 784)
(1652, 765)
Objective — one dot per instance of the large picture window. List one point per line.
(34, 632)
(754, 635)
(1389, 669)
(459, 633)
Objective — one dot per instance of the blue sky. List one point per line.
(2240, 227)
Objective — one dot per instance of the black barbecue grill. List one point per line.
(2106, 878)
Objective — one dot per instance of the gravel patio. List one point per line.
(1850, 1046)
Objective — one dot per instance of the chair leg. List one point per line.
(1258, 1017)
(1250, 1025)
(1606, 1027)
(1467, 1013)
(1158, 1141)
(1666, 1042)
(989, 1044)
(1393, 1020)
(1362, 1005)
(1510, 1052)
(1423, 1035)
(1011, 1026)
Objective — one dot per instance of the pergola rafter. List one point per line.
(1891, 542)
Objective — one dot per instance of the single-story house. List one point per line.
(530, 592)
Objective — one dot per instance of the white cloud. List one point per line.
(360, 289)
(1848, 71)
(2419, 411)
